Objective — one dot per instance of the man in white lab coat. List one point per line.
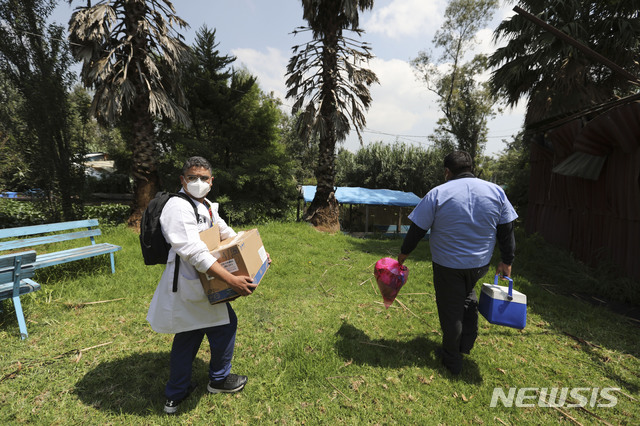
(185, 311)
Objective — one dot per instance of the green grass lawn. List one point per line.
(317, 344)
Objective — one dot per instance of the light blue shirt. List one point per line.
(463, 215)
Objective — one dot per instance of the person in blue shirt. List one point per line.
(466, 216)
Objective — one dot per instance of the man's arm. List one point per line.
(411, 240)
(243, 285)
(507, 245)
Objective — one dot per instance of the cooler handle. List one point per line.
(510, 294)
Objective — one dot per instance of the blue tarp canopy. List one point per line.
(357, 195)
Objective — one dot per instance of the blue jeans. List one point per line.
(185, 347)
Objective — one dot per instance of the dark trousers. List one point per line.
(185, 348)
(458, 311)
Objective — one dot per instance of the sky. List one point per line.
(259, 34)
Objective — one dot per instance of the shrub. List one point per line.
(108, 214)
(24, 213)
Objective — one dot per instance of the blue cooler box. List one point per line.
(503, 305)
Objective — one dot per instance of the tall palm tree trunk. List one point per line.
(145, 171)
(323, 212)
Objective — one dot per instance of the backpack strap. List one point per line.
(176, 269)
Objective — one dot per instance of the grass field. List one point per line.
(317, 344)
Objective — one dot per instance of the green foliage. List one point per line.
(24, 213)
(315, 340)
(19, 213)
(328, 74)
(119, 69)
(132, 57)
(553, 76)
(513, 171)
(398, 166)
(14, 165)
(465, 101)
(304, 152)
(35, 58)
(108, 214)
(236, 128)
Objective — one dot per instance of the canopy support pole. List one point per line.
(366, 219)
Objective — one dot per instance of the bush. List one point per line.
(24, 213)
(15, 213)
(108, 214)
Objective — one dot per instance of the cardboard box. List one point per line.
(242, 255)
(211, 237)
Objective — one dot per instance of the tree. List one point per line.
(237, 128)
(465, 101)
(398, 166)
(512, 172)
(555, 78)
(328, 73)
(304, 152)
(36, 60)
(14, 166)
(131, 57)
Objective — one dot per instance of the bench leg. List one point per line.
(21, 322)
(113, 264)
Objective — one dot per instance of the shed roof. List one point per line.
(357, 195)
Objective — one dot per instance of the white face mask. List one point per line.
(198, 189)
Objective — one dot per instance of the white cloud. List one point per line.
(269, 66)
(402, 108)
(402, 18)
(485, 45)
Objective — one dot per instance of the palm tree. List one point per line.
(131, 56)
(551, 75)
(328, 72)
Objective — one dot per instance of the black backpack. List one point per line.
(155, 249)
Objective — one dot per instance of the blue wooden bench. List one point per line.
(16, 271)
(57, 232)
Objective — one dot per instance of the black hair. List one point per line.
(458, 162)
(196, 162)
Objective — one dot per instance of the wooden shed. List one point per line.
(584, 191)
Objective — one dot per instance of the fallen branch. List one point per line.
(632, 319)
(77, 352)
(595, 415)
(377, 344)
(405, 307)
(327, 292)
(578, 339)
(564, 413)
(626, 394)
(80, 305)
(338, 390)
(370, 278)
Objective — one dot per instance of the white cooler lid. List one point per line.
(502, 293)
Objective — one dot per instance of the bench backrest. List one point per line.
(49, 228)
(16, 266)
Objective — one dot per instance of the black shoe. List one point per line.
(171, 406)
(453, 369)
(232, 383)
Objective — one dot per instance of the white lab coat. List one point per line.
(188, 308)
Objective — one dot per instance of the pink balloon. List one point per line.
(391, 276)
